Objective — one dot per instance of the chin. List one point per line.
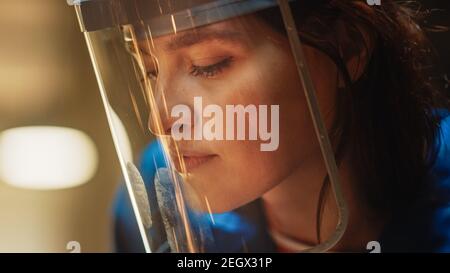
(217, 200)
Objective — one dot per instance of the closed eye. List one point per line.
(210, 71)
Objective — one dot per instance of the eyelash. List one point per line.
(211, 71)
(208, 71)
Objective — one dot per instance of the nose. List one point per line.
(167, 94)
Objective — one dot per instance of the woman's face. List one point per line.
(237, 62)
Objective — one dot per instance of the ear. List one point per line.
(358, 52)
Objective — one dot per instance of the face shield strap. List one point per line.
(319, 126)
(181, 15)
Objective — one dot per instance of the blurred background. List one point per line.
(51, 196)
(62, 190)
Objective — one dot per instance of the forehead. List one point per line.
(238, 30)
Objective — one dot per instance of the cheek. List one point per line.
(243, 172)
(244, 168)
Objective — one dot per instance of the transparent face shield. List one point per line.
(218, 127)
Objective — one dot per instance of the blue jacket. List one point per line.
(423, 227)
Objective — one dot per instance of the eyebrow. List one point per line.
(191, 38)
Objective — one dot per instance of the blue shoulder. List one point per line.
(440, 174)
(440, 171)
(425, 226)
(442, 166)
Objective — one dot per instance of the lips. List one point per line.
(192, 157)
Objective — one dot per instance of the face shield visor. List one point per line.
(218, 98)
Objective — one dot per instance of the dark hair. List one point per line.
(387, 121)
